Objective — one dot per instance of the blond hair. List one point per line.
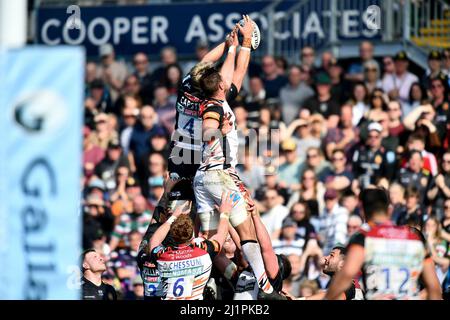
(199, 69)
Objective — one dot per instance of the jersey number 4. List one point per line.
(189, 126)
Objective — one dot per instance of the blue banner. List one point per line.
(148, 28)
(40, 168)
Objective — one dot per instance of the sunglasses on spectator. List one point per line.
(374, 136)
(307, 54)
(129, 116)
(338, 159)
(140, 61)
(312, 156)
(349, 226)
(393, 109)
(445, 161)
(446, 207)
(370, 70)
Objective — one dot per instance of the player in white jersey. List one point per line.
(185, 266)
(216, 173)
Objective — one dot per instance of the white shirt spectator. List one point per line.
(273, 219)
(333, 228)
(403, 84)
(288, 247)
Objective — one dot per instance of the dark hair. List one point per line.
(412, 192)
(374, 201)
(338, 151)
(305, 205)
(360, 83)
(284, 266)
(413, 152)
(384, 106)
(209, 82)
(422, 90)
(83, 256)
(342, 250)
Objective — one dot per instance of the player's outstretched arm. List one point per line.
(244, 54)
(269, 257)
(343, 279)
(227, 69)
(161, 233)
(431, 281)
(215, 54)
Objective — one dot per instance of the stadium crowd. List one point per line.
(337, 130)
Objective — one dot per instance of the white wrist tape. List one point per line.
(171, 220)
(225, 215)
(232, 49)
(245, 49)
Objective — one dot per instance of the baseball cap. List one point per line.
(375, 126)
(131, 182)
(289, 145)
(323, 78)
(156, 182)
(434, 55)
(288, 222)
(105, 49)
(96, 183)
(330, 194)
(159, 132)
(114, 144)
(401, 56)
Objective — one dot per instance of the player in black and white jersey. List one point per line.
(217, 173)
(186, 142)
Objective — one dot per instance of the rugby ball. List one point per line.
(256, 35)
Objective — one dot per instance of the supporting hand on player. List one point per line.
(227, 125)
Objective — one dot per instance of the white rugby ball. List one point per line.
(256, 35)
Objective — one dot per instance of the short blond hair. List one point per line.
(199, 69)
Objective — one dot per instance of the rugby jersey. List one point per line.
(185, 269)
(393, 261)
(220, 153)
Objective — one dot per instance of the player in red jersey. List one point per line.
(185, 267)
(392, 258)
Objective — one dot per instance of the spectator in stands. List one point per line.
(440, 101)
(308, 57)
(251, 172)
(439, 247)
(165, 108)
(300, 130)
(397, 200)
(360, 102)
(92, 154)
(399, 85)
(97, 220)
(282, 65)
(142, 72)
(102, 134)
(345, 136)
(293, 95)
(388, 72)
(434, 68)
(396, 127)
(168, 57)
(106, 169)
(274, 214)
(333, 222)
(273, 82)
(300, 213)
(413, 210)
(130, 114)
(416, 141)
(339, 178)
(138, 220)
(323, 102)
(289, 171)
(446, 62)
(172, 80)
(371, 161)
(350, 201)
(354, 223)
(254, 100)
(139, 142)
(157, 166)
(372, 75)
(440, 187)
(355, 72)
(112, 72)
(446, 220)
(99, 97)
(315, 160)
(123, 263)
(417, 94)
(288, 244)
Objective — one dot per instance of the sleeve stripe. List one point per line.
(211, 115)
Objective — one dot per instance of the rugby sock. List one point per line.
(252, 253)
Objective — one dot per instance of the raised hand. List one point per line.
(248, 27)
